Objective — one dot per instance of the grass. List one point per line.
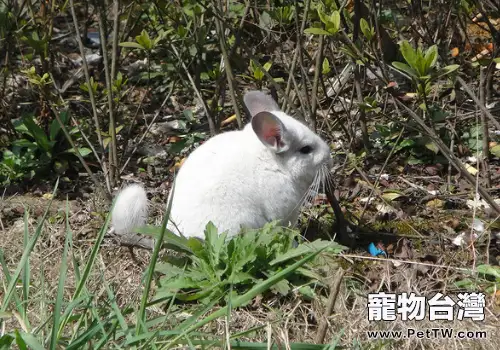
(61, 291)
(81, 316)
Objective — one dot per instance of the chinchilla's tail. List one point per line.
(130, 212)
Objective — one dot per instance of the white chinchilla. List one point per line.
(242, 178)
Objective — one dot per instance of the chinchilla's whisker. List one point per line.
(312, 192)
(328, 179)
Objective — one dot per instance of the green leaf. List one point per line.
(366, 29)
(195, 245)
(5, 315)
(258, 74)
(316, 31)
(243, 299)
(169, 237)
(84, 151)
(20, 127)
(335, 21)
(23, 143)
(495, 150)
(465, 283)
(430, 58)
(489, 270)
(437, 114)
(325, 69)
(240, 277)
(322, 16)
(307, 292)
(55, 127)
(447, 70)
(144, 40)
(412, 160)
(20, 341)
(431, 145)
(63, 270)
(305, 248)
(6, 341)
(214, 243)
(105, 142)
(406, 69)
(132, 45)
(391, 195)
(409, 54)
(404, 144)
(282, 287)
(37, 133)
(265, 21)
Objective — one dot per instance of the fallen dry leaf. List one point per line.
(470, 169)
(403, 249)
(435, 203)
(173, 139)
(177, 164)
(228, 120)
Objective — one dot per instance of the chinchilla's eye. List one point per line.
(306, 149)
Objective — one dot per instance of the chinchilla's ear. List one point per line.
(258, 101)
(271, 131)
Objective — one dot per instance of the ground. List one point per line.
(284, 320)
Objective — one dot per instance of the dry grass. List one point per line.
(284, 320)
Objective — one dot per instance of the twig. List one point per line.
(147, 130)
(113, 159)
(304, 77)
(211, 123)
(227, 66)
(115, 54)
(296, 53)
(77, 153)
(86, 71)
(362, 114)
(87, 79)
(317, 73)
(365, 257)
(374, 188)
(256, 61)
(131, 127)
(332, 298)
(471, 236)
(295, 93)
(357, 77)
(478, 102)
(449, 155)
(442, 147)
(484, 123)
(452, 145)
(72, 143)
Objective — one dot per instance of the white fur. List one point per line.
(130, 211)
(236, 180)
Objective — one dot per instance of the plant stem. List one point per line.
(87, 79)
(227, 66)
(483, 81)
(113, 159)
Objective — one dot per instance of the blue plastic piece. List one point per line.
(374, 251)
